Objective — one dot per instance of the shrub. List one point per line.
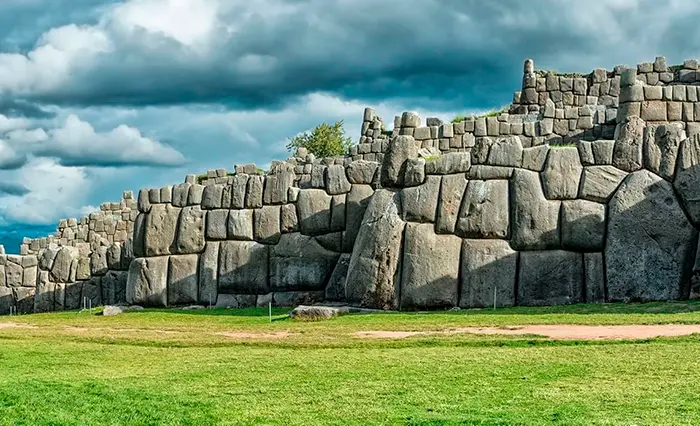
(325, 140)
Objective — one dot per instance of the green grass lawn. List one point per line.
(186, 367)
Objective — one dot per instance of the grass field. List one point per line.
(237, 367)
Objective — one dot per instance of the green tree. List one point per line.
(325, 140)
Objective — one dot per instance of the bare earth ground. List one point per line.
(555, 332)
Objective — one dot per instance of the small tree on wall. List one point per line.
(325, 140)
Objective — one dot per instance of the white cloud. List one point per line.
(55, 191)
(77, 143)
(9, 158)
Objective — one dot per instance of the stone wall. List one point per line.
(584, 190)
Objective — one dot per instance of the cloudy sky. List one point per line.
(99, 96)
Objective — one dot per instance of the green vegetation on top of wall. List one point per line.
(325, 140)
(494, 113)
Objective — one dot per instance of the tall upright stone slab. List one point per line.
(534, 219)
(401, 148)
(243, 267)
(552, 277)
(373, 274)
(650, 243)
(487, 265)
(300, 263)
(147, 281)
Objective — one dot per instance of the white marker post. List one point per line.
(269, 309)
(494, 298)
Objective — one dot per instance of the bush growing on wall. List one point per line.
(325, 140)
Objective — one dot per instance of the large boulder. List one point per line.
(277, 184)
(113, 289)
(160, 230)
(534, 219)
(355, 205)
(562, 174)
(299, 262)
(209, 274)
(401, 148)
(216, 224)
(147, 281)
(487, 264)
(336, 180)
(243, 267)
(661, 144)
(687, 181)
(550, 278)
(267, 225)
(582, 225)
(190, 233)
(361, 172)
(335, 290)
(650, 243)
(629, 142)
(314, 207)
(600, 182)
(373, 273)
(183, 281)
(430, 276)
(420, 202)
(449, 163)
(451, 193)
(507, 151)
(240, 225)
(485, 210)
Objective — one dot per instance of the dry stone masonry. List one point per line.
(585, 189)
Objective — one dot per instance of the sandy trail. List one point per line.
(556, 332)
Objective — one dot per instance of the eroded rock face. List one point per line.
(401, 148)
(243, 267)
(627, 152)
(534, 219)
(373, 273)
(650, 243)
(146, 282)
(562, 174)
(485, 210)
(552, 277)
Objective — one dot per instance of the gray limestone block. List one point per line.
(482, 172)
(217, 224)
(194, 195)
(401, 148)
(534, 158)
(139, 235)
(45, 294)
(506, 152)
(98, 261)
(332, 241)
(552, 277)
(114, 256)
(154, 195)
(318, 176)
(410, 119)
(243, 267)
(24, 299)
(336, 180)
(299, 262)
(415, 172)
(61, 270)
(6, 300)
(113, 286)
(430, 268)
(289, 221)
(29, 276)
(183, 281)
(254, 192)
(562, 173)
(585, 152)
(602, 151)
(654, 111)
(660, 149)
(292, 299)
(420, 202)
(144, 202)
(355, 205)
(449, 163)
(277, 187)
(314, 209)
(361, 172)
(266, 227)
(335, 290)
(238, 190)
(650, 243)
(166, 194)
(14, 274)
(240, 225)
(208, 274)
(582, 225)
(160, 230)
(147, 282)
(594, 277)
(73, 293)
(598, 183)
(338, 213)
(374, 270)
(534, 220)
(212, 197)
(452, 190)
(480, 151)
(485, 210)
(190, 230)
(687, 182)
(487, 264)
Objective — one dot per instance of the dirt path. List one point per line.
(556, 332)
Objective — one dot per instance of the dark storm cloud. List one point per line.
(10, 188)
(19, 108)
(435, 53)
